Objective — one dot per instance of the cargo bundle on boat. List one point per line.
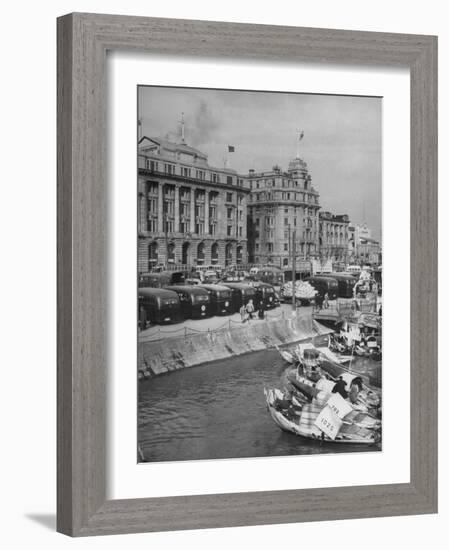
(325, 401)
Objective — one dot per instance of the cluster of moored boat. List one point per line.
(322, 399)
(364, 347)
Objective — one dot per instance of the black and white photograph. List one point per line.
(259, 274)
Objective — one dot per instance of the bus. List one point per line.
(162, 279)
(346, 283)
(158, 305)
(265, 295)
(324, 285)
(241, 294)
(194, 301)
(220, 298)
(271, 275)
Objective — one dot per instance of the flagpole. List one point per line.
(231, 149)
(300, 136)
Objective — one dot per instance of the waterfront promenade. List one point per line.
(189, 347)
(217, 323)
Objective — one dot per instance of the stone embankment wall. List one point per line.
(161, 356)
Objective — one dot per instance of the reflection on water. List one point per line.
(219, 411)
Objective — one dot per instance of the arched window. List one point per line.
(152, 254)
(228, 254)
(171, 253)
(214, 253)
(239, 256)
(185, 253)
(200, 256)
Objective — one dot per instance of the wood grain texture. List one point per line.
(83, 40)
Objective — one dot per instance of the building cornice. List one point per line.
(176, 178)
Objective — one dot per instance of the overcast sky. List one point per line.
(341, 144)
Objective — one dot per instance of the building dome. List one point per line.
(297, 164)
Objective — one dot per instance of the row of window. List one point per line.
(184, 227)
(184, 210)
(291, 210)
(278, 196)
(300, 247)
(185, 193)
(285, 183)
(187, 172)
(231, 230)
(333, 230)
(230, 214)
(270, 221)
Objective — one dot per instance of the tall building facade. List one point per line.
(280, 203)
(189, 212)
(334, 236)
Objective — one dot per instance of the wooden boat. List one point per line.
(356, 427)
(364, 398)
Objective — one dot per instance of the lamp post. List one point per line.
(293, 258)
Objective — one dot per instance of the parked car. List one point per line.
(210, 276)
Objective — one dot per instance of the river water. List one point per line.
(218, 410)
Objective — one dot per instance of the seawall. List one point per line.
(162, 356)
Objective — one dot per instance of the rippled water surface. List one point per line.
(218, 411)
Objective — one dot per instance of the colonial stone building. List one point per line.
(281, 202)
(363, 249)
(334, 236)
(190, 213)
(193, 214)
(369, 251)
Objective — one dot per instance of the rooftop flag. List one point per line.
(231, 149)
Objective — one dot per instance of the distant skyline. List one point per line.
(342, 142)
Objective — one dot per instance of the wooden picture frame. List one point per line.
(83, 40)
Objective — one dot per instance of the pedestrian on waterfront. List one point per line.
(243, 313)
(318, 302)
(261, 312)
(326, 301)
(250, 310)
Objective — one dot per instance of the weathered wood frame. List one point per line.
(83, 40)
